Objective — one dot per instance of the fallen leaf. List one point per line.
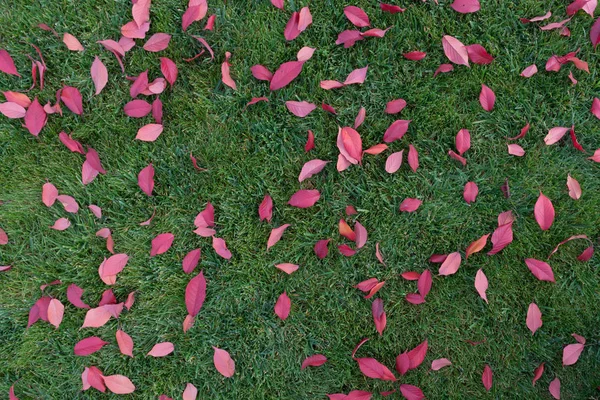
(157, 42)
(119, 384)
(393, 162)
(396, 130)
(414, 55)
(451, 264)
(486, 377)
(313, 361)
(487, 98)
(357, 16)
(571, 353)
(149, 133)
(223, 362)
(554, 388)
(12, 110)
(516, 150)
(59, 225)
(56, 311)
(455, 50)
(440, 363)
(502, 237)
(195, 294)
(161, 244)
(35, 117)
(555, 134)
(481, 284)
(534, 318)
(300, 108)
(89, 345)
(462, 141)
(410, 205)
(379, 317)
(276, 234)
(146, 180)
(321, 250)
(529, 71)
(190, 392)
(395, 106)
(372, 368)
(282, 306)
(304, 198)
(225, 72)
(169, 70)
(125, 343)
(476, 246)
(537, 373)
(285, 74)
(540, 269)
(417, 355)
(478, 54)
(411, 392)
(161, 349)
(544, 212)
(470, 192)
(7, 65)
(465, 6)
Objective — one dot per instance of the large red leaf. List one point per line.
(161, 244)
(478, 54)
(190, 261)
(74, 294)
(35, 117)
(311, 168)
(417, 355)
(168, 69)
(462, 141)
(286, 73)
(372, 368)
(486, 377)
(540, 269)
(223, 362)
(137, 108)
(282, 306)
(87, 346)
(71, 97)
(304, 198)
(146, 180)
(424, 283)
(595, 33)
(195, 293)
(314, 361)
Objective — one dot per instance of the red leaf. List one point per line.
(470, 192)
(190, 261)
(157, 112)
(393, 162)
(481, 284)
(137, 108)
(415, 298)
(220, 248)
(225, 74)
(417, 355)
(357, 16)
(71, 97)
(157, 42)
(540, 269)
(410, 205)
(554, 388)
(410, 275)
(411, 392)
(413, 158)
(358, 346)
(35, 117)
(465, 6)
(596, 107)
(304, 198)
(300, 108)
(375, 32)
(195, 293)
(146, 180)
(536, 19)
(161, 349)
(149, 133)
(455, 50)
(451, 264)
(372, 368)
(255, 100)
(395, 106)
(487, 98)
(476, 246)
(56, 311)
(440, 363)
(424, 283)
(161, 243)
(125, 343)
(99, 75)
(282, 306)
(119, 384)
(587, 254)
(292, 30)
(378, 315)
(349, 37)
(393, 9)
(486, 377)
(321, 248)
(462, 141)
(286, 73)
(169, 70)
(310, 142)
(314, 361)
(223, 362)
(443, 68)
(571, 353)
(88, 346)
(276, 234)
(377, 149)
(346, 250)
(265, 209)
(349, 143)
(277, 3)
(414, 55)
(478, 54)
(328, 108)
(502, 237)
(396, 130)
(95, 379)
(402, 363)
(7, 65)
(287, 267)
(534, 318)
(537, 374)
(544, 212)
(74, 294)
(458, 158)
(261, 73)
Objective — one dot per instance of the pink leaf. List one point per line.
(357, 16)
(465, 6)
(571, 353)
(169, 70)
(87, 346)
(413, 158)
(304, 19)
(125, 343)
(265, 209)
(417, 355)
(587, 254)
(529, 71)
(113, 265)
(361, 235)
(537, 373)
(12, 110)
(96, 317)
(146, 180)
(157, 42)
(376, 149)
(481, 284)
(287, 268)
(137, 108)
(470, 192)
(71, 97)
(220, 248)
(349, 37)
(462, 141)
(321, 248)
(275, 235)
(536, 19)
(56, 311)
(74, 294)
(223, 362)
(311, 168)
(451, 264)
(161, 349)
(410, 205)
(487, 98)
(443, 68)
(157, 112)
(7, 65)
(534, 318)
(286, 73)
(314, 361)
(161, 243)
(304, 198)
(554, 388)
(458, 158)
(72, 43)
(357, 76)
(69, 203)
(61, 224)
(596, 156)
(455, 50)
(540, 269)
(349, 143)
(119, 384)
(261, 73)
(502, 237)
(596, 107)
(393, 162)
(411, 275)
(402, 363)
(516, 150)
(574, 188)
(282, 306)
(305, 53)
(411, 392)
(35, 117)
(414, 55)
(378, 315)
(225, 75)
(440, 363)
(99, 75)
(395, 106)
(190, 392)
(486, 377)
(424, 283)
(372, 368)
(396, 130)
(149, 133)
(478, 54)
(555, 134)
(544, 212)
(300, 108)
(190, 261)
(195, 293)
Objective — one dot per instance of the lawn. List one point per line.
(258, 150)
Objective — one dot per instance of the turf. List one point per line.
(260, 150)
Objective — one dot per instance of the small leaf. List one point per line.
(282, 306)
(534, 318)
(486, 377)
(481, 284)
(223, 362)
(161, 349)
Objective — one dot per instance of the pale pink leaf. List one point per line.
(481, 284)
(470, 192)
(56, 311)
(574, 188)
(450, 264)
(571, 353)
(357, 76)
(275, 235)
(161, 349)
(119, 384)
(149, 133)
(287, 267)
(440, 363)
(544, 212)
(357, 16)
(300, 108)
(534, 318)
(157, 42)
(146, 180)
(455, 50)
(555, 134)
(61, 224)
(554, 388)
(516, 150)
(125, 343)
(410, 205)
(487, 98)
(304, 198)
(223, 362)
(220, 248)
(529, 71)
(161, 243)
(393, 162)
(72, 43)
(12, 110)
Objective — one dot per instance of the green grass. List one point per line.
(260, 150)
